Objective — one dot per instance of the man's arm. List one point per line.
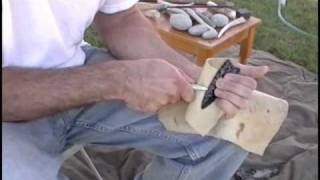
(33, 93)
(129, 35)
(29, 94)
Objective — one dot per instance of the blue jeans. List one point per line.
(33, 150)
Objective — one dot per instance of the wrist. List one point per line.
(108, 80)
(186, 66)
(193, 70)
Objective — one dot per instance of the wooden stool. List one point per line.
(203, 49)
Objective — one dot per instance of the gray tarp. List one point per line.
(292, 154)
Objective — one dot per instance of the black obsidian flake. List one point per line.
(209, 96)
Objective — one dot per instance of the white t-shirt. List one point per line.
(49, 33)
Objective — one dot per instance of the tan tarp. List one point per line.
(292, 154)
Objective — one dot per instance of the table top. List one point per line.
(163, 26)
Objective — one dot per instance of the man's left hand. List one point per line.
(234, 90)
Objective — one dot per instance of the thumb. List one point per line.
(186, 91)
(186, 77)
(185, 87)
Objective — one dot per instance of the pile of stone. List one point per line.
(197, 22)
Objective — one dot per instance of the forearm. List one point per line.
(132, 36)
(33, 93)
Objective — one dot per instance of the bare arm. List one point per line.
(144, 85)
(129, 34)
(32, 93)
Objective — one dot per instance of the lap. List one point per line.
(30, 146)
(112, 123)
(31, 150)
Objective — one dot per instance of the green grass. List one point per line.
(91, 36)
(275, 37)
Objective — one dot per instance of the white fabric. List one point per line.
(49, 33)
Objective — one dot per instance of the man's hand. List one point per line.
(153, 83)
(234, 90)
(130, 35)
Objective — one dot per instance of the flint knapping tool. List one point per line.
(198, 87)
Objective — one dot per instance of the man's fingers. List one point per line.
(174, 96)
(187, 93)
(253, 71)
(184, 75)
(185, 87)
(153, 108)
(234, 87)
(246, 81)
(186, 90)
(229, 109)
(174, 99)
(236, 100)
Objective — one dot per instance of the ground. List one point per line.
(275, 37)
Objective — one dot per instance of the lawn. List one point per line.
(275, 37)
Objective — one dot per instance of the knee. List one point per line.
(208, 147)
(22, 159)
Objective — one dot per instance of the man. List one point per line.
(58, 91)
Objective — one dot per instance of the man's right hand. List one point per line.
(153, 83)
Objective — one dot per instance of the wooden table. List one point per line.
(203, 49)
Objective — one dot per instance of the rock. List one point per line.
(180, 1)
(198, 29)
(220, 20)
(176, 11)
(210, 34)
(180, 22)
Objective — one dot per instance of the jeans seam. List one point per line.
(129, 129)
(94, 127)
(224, 156)
(62, 138)
(184, 173)
(188, 148)
(150, 132)
(193, 154)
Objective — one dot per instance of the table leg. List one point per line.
(202, 56)
(246, 46)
